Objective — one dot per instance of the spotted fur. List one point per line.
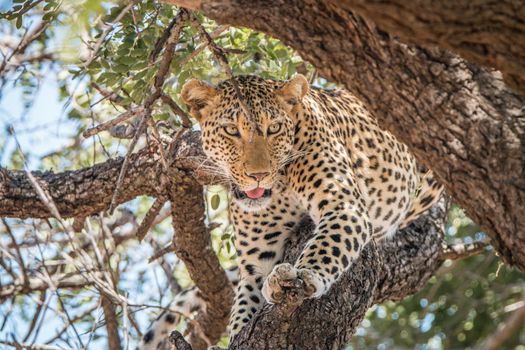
(313, 152)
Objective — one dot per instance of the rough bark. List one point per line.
(77, 193)
(111, 321)
(88, 191)
(457, 118)
(192, 244)
(490, 33)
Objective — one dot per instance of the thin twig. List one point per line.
(105, 33)
(456, 251)
(186, 122)
(505, 330)
(109, 95)
(132, 112)
(214, 35)
(163, 251)
(150, 217)
(18, 254)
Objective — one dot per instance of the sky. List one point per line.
(41, 129)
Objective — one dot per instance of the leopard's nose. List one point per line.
(258, 176)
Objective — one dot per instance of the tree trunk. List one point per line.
(457, 118)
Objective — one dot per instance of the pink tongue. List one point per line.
(255, 193)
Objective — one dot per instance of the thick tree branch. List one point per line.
(490, 33)
(457, 118)
(88, 191)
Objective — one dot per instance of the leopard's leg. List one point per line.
(260, 237)
(343, 228)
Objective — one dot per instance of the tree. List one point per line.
(470, 132)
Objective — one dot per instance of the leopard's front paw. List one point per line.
(287, 284)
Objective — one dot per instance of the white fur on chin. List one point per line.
(253, 205)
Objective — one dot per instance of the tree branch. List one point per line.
(88, 191)
(390, 270)
(489, 33)
(112, 326)
(514, 323)
(192, 244)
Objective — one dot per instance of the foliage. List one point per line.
(87, 49)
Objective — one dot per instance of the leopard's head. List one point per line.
(251, 149)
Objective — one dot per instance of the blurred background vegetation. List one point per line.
(61, 60)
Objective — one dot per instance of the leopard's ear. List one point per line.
(199, 96)
(292, 92)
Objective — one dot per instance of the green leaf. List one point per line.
(215, 201)
(18, 22)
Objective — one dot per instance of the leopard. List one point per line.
(290, 150)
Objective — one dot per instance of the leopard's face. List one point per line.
(251, 153)
(250, 150)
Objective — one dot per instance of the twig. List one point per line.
(458, 251)
(214, 35)
(111, 96)
(37, 284)
(18, 253)
(513, 324)
(155, 94)
(150, 217)
(24, 43)
(106, 31)
(186, 122)
(110, 123)
(32, 346)
(163, 251)
(36, 315)
(178, 341)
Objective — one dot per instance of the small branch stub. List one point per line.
(179, 342)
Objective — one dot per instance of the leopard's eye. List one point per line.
(232, 130)
(274, 128)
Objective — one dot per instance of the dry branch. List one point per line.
(70, 281)
(172, 36)
(132, 112)
(112, 326)
(457, 251)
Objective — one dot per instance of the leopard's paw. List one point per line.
(287, 284)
